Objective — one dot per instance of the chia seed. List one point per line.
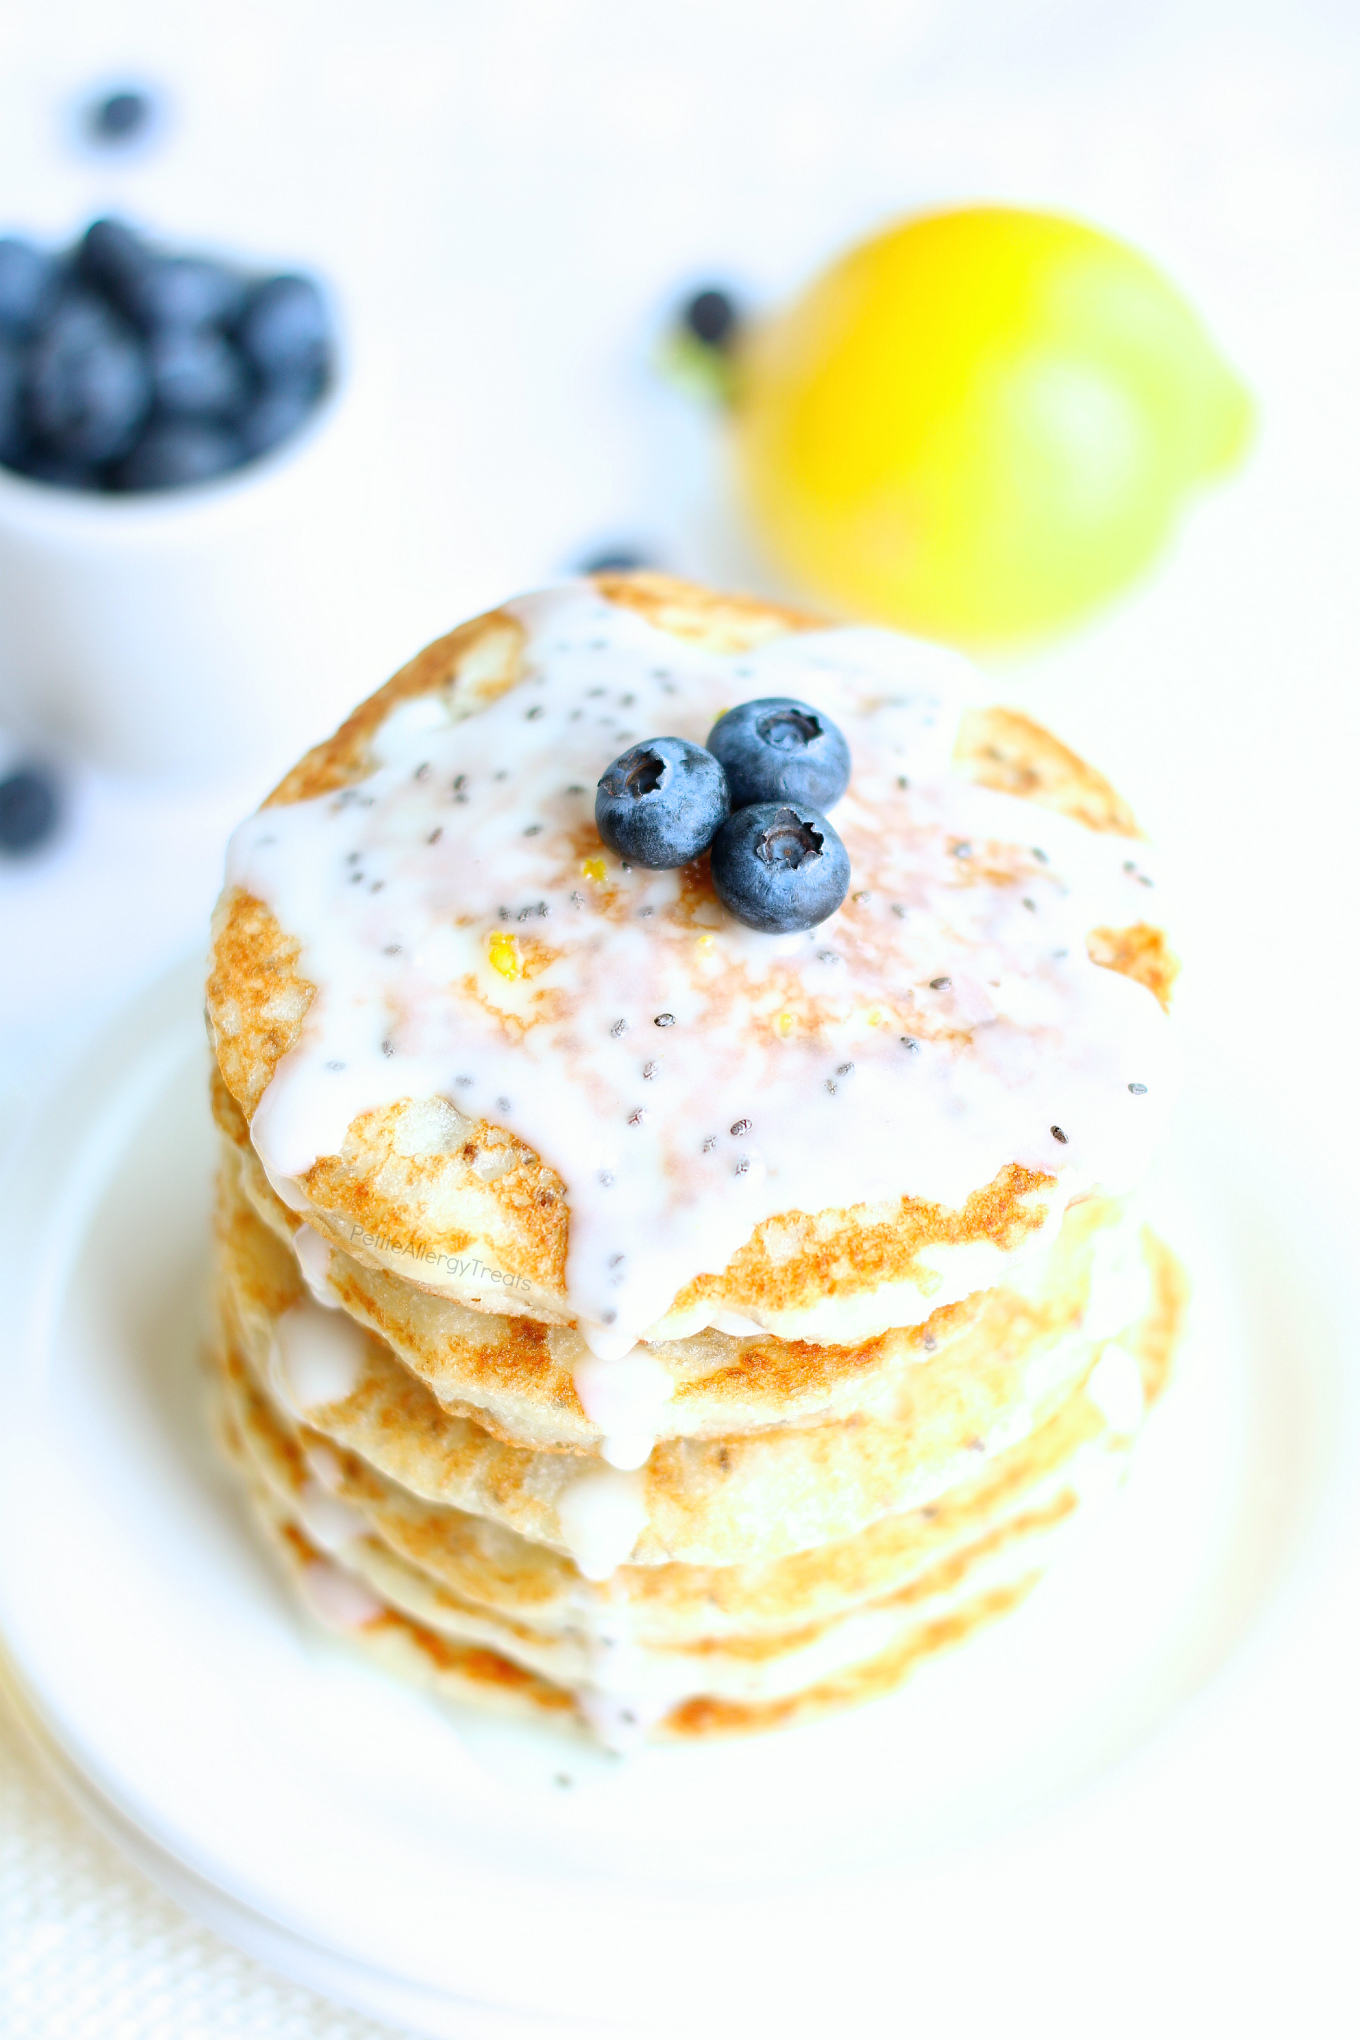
(941, 984)
(534, 829)
(664, 1020)
(606, 1179)
(619, 1027)
(389, 1047)
(899, 910)
(434, 835)
(710, 1143)
(908, 1043)
(335, 1065)
(1058, 1134)
(741, 1126)
(742, 1166)
(650, 1069)
(533, 714)
(502, 1104)
(636, 1118)
(421, 772)
(1041, 855)
(845, 1069)
(1138, 1090)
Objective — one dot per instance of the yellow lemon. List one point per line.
(980, 424)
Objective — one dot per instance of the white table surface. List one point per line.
(510, 198)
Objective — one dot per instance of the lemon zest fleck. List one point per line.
(504, 952)
(593, 868)
(784, 1023)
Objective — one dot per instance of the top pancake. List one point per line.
(497, 1207)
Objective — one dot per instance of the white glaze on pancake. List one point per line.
(319, 1357)
(783, 1079)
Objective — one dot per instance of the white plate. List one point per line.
(474, 1878)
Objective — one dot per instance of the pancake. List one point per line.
(632, 1319)
(517, 1377)
(486, 1566)
(499, 1207)
(712, 1501)
(675, 1645)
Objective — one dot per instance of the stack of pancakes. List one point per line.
(842, 1446)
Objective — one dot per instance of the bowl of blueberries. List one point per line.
(183, 474)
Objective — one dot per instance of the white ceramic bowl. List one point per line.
(203, 631)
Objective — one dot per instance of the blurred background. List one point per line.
(508, 204)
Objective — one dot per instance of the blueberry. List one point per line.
(55, 469)
(111, 259)
(11, 401)
(614, 559)
(196, 373)
(120, 116)
(274, 416)
(284, 331)
(28, 810)
(660, 803)
(777, 749)
(28, 279)
(88, 388)
(711, 317)
(779, 868)
(176, 452)
(174, 293)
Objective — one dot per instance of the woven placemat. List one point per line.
(91, 1950)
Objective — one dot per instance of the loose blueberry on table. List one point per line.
(711, 318)
(119, 117)
(776, 862)
(126, 368)
(28, 810)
